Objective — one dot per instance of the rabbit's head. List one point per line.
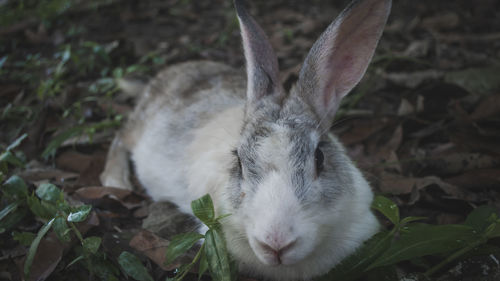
(298, 204)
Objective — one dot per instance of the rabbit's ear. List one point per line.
(261, 62)
(338, 60)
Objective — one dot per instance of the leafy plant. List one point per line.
(89, 129)
(409, 240)
(133, 267)
(8, 157)
(212, 255)
(48, 204)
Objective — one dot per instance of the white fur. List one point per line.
(322, 237)
(200, 166)
(190, 119)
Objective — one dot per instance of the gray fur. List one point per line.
(198, 128)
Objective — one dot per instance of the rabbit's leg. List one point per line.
(117, 171)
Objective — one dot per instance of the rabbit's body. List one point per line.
(298, 205)
(191, 127)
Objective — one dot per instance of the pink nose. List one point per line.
(276, 249)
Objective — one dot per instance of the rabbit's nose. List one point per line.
(276, 249)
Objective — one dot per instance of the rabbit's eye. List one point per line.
(319, 159)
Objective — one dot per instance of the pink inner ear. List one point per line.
(338, 72)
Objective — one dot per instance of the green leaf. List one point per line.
(203, 266)
(61, 229)
(217, 257)
(8, 157)
(56, 142)
(203, 208)
(9, 209)
(133, 267)
(388, 208)
(12, 219)
(41, 209)
(100, 265)
(407, 220)
(354, 266)
(479, 217)
(386, 273)
(80, 213)
(419, 240)
(15, 187)
(24, 238)
(493, 230)
(34, 247)
(91, 244)
(17, 142)
(180, 244)
(49, 192)
(77, 259)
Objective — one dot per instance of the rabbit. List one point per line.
(298, 206)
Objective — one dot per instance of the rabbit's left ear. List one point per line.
(261, 62)
(338, 60)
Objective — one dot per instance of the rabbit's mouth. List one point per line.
(278, 252)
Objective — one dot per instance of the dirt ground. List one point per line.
(423, 125)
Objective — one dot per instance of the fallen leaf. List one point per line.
(458, 162)
(476, 80)
(73, 161)
(47, 174)
(446, 20)
(166, 220)
(51, 249)
(488, 107)
(90, 175)
(153, 247)
(477, 179)
(397, 185)
(126, 198)
(405, 108)
(47, 257)
(361, 129)
(412, 79)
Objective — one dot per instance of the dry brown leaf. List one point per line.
(50, 250)
(153, 247)
(458, 162)
(405, 108)
(397, 185)
(141, 212)
(37, 174)
(90, 175)
(361, 129)
(73, 161)
(488, 107)
(126, 198)
(47, 257)
(412, 79)
(97, 192)
(477, 179)
(383, 157)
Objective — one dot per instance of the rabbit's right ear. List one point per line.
(261, 62)
(338, 60)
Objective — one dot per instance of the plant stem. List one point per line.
(196, 258)
(77, 232)
(454, 256)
